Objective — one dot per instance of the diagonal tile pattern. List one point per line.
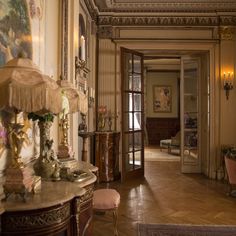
(167, 196)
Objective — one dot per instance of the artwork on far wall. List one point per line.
(162, 98)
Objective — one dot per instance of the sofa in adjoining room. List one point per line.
(172, 143)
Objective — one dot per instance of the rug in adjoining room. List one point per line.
(185, 230)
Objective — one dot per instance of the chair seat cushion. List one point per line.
(165, 143)
(105, 199)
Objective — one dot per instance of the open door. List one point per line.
(132, 114)
(190, 115)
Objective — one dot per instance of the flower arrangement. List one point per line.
(105, 116)
(43, 118)
(229, 151)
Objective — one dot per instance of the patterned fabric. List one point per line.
(185, 230)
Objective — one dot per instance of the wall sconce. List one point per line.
(228, 83)
(79, 65)
(91, 98)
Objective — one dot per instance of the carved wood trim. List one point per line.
(35, 219)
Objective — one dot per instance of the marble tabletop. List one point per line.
(51, 193)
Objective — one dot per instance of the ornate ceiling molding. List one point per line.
(105, 32)
(226, 33)
(92, 9)
(167, 20)
(165, 5)
(184, 13)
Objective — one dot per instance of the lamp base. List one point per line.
(64, 152)
(18, 181)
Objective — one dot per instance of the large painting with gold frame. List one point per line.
(162, 98)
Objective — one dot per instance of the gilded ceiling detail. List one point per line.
(165, 5)
(167, 20)
(115, 13)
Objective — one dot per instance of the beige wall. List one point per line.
(51, 59)
(107, 86)
(166, 79)
(228, 107)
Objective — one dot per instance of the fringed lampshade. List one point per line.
(24, 88)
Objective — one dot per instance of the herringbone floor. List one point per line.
(167, 196)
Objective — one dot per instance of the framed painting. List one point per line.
(22, 30)
(162, 98)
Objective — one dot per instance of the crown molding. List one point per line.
(165, 5)
(92, 9)
(226, 33)
(167, 20)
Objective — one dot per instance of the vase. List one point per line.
(46, 163)
(101, 123)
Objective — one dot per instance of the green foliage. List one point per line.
(15, 29)
(19, 17)
(42, 118)
(229, 151)
(225, 149)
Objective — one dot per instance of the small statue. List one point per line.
(16, 139)
(83, 125)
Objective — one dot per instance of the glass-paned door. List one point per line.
(190, 115)
(132, 110)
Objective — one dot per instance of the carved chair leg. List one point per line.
(115, 222)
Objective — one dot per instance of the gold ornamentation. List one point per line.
(161, 6)
(105, 31)
(40, 219)
(87, 196)
(226, 33)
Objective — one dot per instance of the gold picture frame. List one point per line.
(162, 98)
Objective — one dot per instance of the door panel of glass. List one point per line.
(132, 110)
(190, 110)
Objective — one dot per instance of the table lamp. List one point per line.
(23, 87)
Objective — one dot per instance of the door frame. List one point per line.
(213, 48)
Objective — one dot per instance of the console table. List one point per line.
(107, 155)
(61, 208)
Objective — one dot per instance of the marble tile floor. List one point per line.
(167, 196)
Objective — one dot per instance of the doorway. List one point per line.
(191, 99)
(162, 107)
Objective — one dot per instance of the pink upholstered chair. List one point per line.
(231, 171)
(107, 200)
